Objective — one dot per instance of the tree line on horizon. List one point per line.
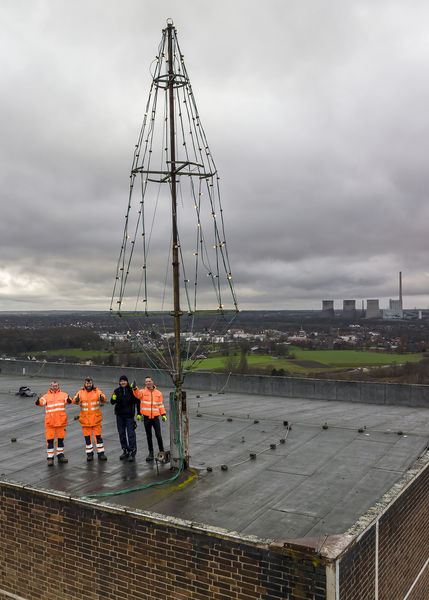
(18, 341)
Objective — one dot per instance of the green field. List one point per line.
(83, 354)
(305, 361)
(312, 361)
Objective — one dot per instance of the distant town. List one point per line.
(276, 343)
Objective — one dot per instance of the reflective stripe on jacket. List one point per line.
(90, 413)
(151, 404)
(55, 408)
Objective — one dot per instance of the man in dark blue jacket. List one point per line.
(125, 407)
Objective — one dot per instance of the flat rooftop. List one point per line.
(307, 481)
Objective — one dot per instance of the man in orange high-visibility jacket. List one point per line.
(55, 402)
(152, 408)
(90, 398)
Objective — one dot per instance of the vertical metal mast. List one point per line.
(186, 161)
(177, 403)
(175, 249)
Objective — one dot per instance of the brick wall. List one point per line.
(357, 569)
(404, 542)
(54, 547)
(403, 549)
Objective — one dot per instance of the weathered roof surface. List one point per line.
(317, 482)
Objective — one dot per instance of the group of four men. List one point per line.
(127, 399)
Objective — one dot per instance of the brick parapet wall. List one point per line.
(357, 569)
(397, 537)
(53, 546)
(404, 542)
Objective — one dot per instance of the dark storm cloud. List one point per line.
(316, 115)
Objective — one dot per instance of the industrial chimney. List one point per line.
(400, 291)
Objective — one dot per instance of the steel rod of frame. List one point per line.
(177, 447)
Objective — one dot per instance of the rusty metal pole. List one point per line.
(178, 449)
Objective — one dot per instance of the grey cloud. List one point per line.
(316, 114)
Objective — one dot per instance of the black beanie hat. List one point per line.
(123, 378)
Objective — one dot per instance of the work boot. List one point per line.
(102, 456)
(149, 457)
(124, 455)
(131, 458)
(62, 459)
(50, 462)
(90, 456)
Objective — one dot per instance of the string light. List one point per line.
(193, 159)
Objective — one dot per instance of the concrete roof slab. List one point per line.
(318, 482)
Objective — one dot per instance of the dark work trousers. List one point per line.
(148, 424)
(126, 429)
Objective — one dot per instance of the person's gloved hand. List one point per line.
(133, 385)
(139, 417)
(164, 418)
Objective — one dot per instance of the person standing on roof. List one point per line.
(125, 408)
(90, 398)
(55, 402)
(153, 411)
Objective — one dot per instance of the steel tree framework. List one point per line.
(174, 136)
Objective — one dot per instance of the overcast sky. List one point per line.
(317, 116)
